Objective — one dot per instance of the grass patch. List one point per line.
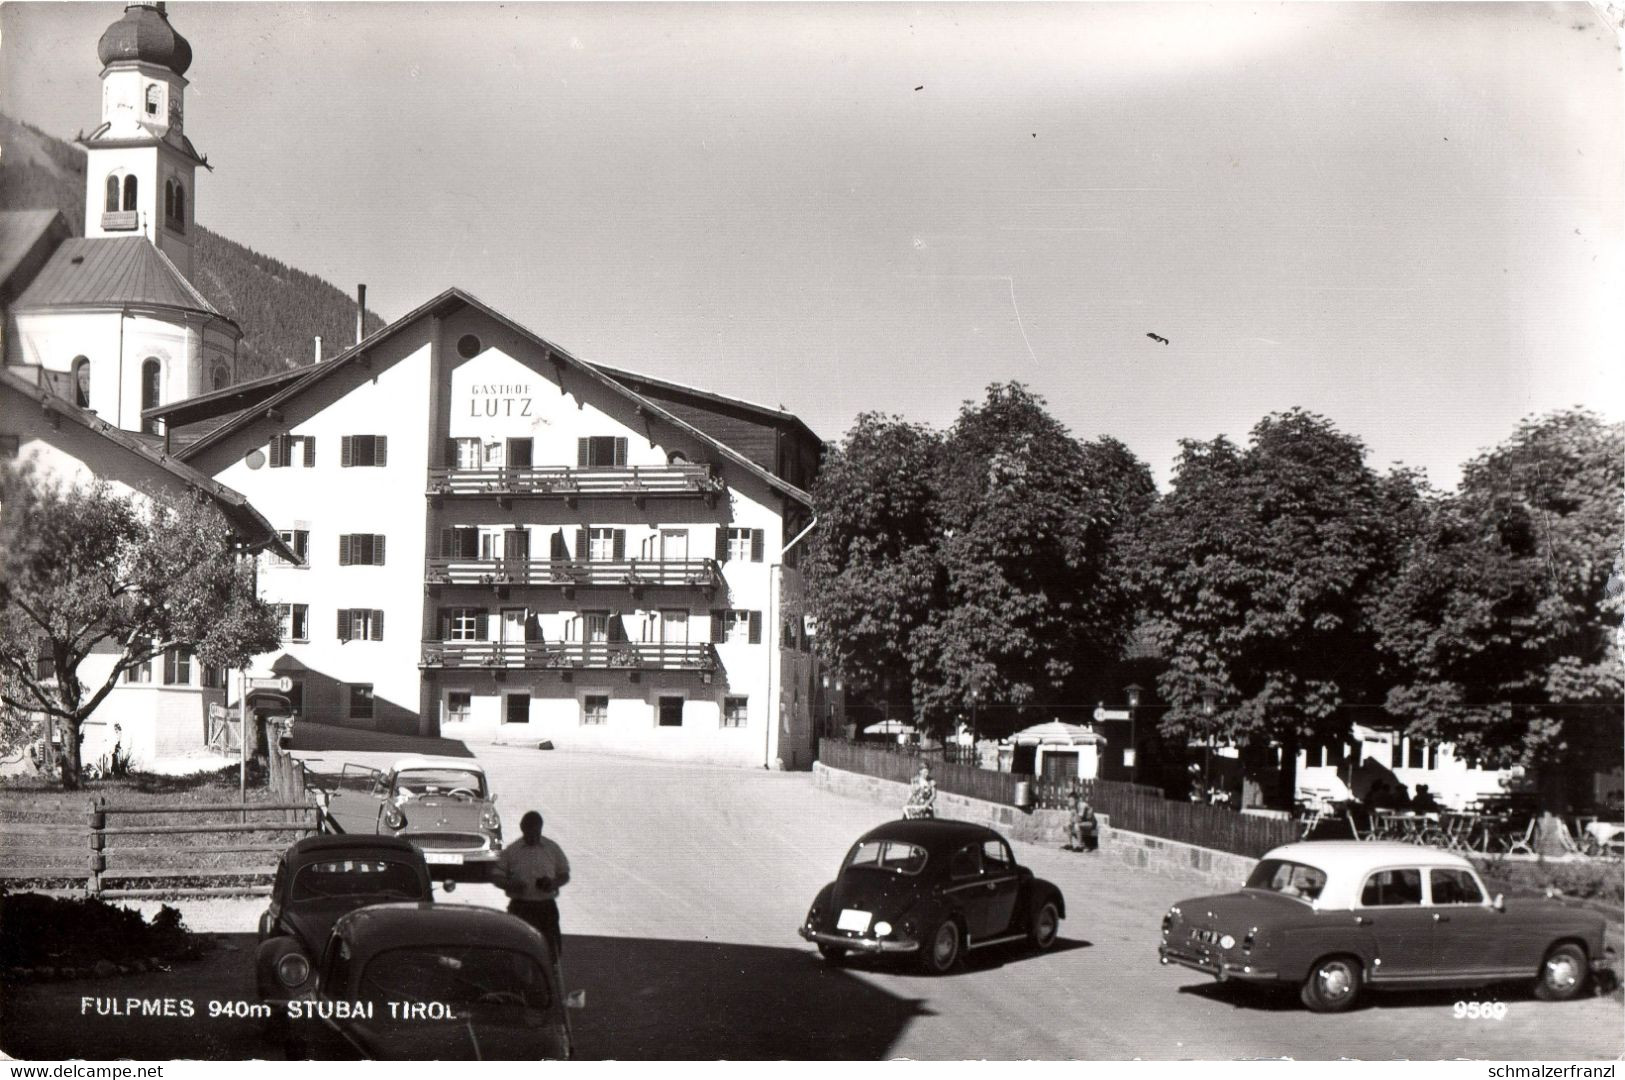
(139, 788)
(45, 931)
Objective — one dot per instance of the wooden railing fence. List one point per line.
(1135, 807)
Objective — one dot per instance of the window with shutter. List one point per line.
(756, 628)
(278, 451)
(310, 451)
(378, 550)
(344, 624)
(722, 544)
(377, 625)
(346, 451)
(380, 450)
(583, 450)
(620, 451)
(757, 543)
(618, 552)
(719, 626)
(583, 543)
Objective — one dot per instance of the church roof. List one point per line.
(100, 271)
(144, 34)
(21, 233)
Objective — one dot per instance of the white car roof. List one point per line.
(1352, 856)
(430, 761)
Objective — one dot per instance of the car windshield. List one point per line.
(456, 975)
(1288, 878)
(439, 782)
(357, 877)
(898, 856)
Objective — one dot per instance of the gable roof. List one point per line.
(637, 380)
(248, 521)
(447, 302)
(98, 271)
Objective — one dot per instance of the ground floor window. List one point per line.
(595, 709)
(735, 712)
(516, 709)
(214, 678)
(361, 701)
(670, 712)
(140, 673)
(178, 667)
(459, 706)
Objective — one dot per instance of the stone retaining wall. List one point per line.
(1202, 866)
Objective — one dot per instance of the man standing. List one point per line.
(532, 870)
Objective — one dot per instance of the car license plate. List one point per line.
(854, 920)
(449, 857)
(1206, 937)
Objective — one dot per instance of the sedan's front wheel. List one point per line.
(1562, 974)
(941, 950)
(1333, 984)
(833, 954)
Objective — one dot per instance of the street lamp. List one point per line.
(1210, 705)
(1133, 690)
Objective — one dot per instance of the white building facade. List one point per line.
(500, 541)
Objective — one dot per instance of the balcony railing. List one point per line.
(570, 573)
(568, 655)
(565, 482)
(120, 221)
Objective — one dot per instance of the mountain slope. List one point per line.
(279, 308)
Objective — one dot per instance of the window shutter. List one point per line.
(583, 544)
(718, 632)
(344, 624)
(310, 451)
(757, 542)
(446, 550)
(346, 450)
(378, 550)
(279, 445)
(344, 550)
(482, 625)
(756, 628)
(442, 620)
(451, 453)
(377, 625)
(620, 451)
(620, 545)
(581, 453)
(380, 450)
(722, 543)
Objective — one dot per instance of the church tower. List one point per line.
(140, 165)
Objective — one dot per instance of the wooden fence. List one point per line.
(1135, 807)
(137, 844)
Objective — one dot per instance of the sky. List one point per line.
(1406, 217)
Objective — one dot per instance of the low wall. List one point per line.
(1202, 866)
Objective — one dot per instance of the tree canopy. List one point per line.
(1501, 628)
(89, 570)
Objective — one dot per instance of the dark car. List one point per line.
(443, 805)
(1332, 917)
(411, 982)
(932, 889)
(318, 880)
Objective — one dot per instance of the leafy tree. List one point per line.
(872, 576)
(1501, 628)
(1255, 569)
(1029, 521)
(89, 570)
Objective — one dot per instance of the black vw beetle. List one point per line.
(932, 889)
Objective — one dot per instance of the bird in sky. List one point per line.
(1157, 337)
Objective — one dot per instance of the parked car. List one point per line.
(442, 804)
(412, 982)
(931, 889)
(1333, 917)
(318, 880)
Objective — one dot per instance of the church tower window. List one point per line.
(151, 380)
(81, 381)
(180, 207)
(129, 192)
(112, 195)
(220, 378)
(153, 95)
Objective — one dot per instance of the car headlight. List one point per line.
(882, 928)
(489, 820)
(393, 818)
(293, 969)
(1227, 942)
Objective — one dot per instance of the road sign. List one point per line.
(1111, 714)
(281, 685)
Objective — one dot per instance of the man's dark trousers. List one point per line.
(544, 916)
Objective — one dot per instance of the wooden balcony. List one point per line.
(559, 481)
(569, 656)
(569, 574)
